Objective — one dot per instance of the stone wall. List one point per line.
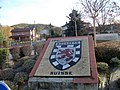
(112, 36)
(36, 83)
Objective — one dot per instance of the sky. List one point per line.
(41, 11)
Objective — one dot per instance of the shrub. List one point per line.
(21, 61)
(18, 63)
(26, 87)
(118, 83)
(4, 53)
(5, 44)
(15, 52)
(114, 62)
(10, 84)
(35, 57)
(8, 64)
(105, 54)
(19, 69)
(28, 65)
(20, 78)
(0, 74)
(26, 50)
(25, 58)
(8, 74)
(102, 67)
(21, 53)
(38, 47)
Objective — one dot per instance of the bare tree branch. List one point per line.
(93, 8)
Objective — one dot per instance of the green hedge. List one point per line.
(19, 52)
(114, 62)
(26, 50)
(15, 52)
(102, 67)
(105, 54)
(28, 65)
(4, 54)
(38, 47)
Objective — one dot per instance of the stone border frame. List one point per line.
(82, 79)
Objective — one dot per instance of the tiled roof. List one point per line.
(19, 36)
(21, 29)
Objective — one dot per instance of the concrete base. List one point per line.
(36, 83)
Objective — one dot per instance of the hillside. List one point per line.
(39, 27)
(23, 25)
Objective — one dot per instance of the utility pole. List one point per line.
(75, 19)
(76, 28)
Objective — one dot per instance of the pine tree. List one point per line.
(75, 18)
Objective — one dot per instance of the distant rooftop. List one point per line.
(22, 29)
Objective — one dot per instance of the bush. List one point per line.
(5, 44)
(8, 64)
(21, 61)
(102, 67)
(4, 53)
(20, 78)
(38, 47)
(10, 84)
(118, 83)
(18, 63)
(114, 62)
(28, 65)
(25, 58)
(15, 52)
(35, 57)
(0, 74)
(105, 54)
(19, 69)
(8, 74)
(26, 50)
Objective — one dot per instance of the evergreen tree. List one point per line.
(75, 18)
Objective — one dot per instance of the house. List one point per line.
(23, 34)
(109, 28)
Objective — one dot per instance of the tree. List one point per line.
(54, 31)
(93, 8)
(7, 32)
(75, 25)
(113, 12)
(4, 35)
(107, 14)
(1, 36)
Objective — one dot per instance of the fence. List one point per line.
(20, 43)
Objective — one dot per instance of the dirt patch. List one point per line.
(114, 44)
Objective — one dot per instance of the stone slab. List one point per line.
(92, 79)
(81, 68)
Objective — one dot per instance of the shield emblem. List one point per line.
(65, 54)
